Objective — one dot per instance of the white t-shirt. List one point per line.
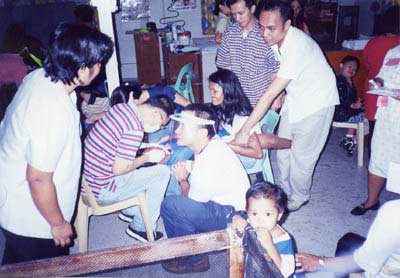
(313, 83)
(237, 123)
(217, 175)
(379, 256)
(41, 128)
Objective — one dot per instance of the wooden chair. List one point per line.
(185, 89)
(88, 206)
(362, 130)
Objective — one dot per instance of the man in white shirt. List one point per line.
(308, 110)
(213, 185)
(40, 147)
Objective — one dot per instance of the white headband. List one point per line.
(184, 117)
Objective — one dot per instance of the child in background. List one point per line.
(223, 12)
(265, 205)
(350, 108)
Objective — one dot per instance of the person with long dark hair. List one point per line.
(298, 18)
(40, 146)
(233, 108)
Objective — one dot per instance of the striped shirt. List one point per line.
(249, 58)
(284, 246)
(118, 134)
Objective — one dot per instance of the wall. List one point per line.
(158, 10)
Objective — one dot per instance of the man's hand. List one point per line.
(241, 138)
(238, 223)
(62, 234)
(307, 262)
(179, 170)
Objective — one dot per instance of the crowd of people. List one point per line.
(194, 172)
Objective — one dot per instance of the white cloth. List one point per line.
(41, 128)
(385, 146)
(379, 256)
(237, 123)
(312, 84)
(217, 175)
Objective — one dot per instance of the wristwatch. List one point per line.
(321, 261)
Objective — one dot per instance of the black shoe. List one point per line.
(124, 217)
(180, 267)
(142, 236)
(361, 210)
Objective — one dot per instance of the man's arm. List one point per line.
(122, 166)
(343, 264)
(276, 87)
(44, 195)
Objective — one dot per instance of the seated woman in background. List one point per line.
(298, 19)
(223, 12)
(233, 108)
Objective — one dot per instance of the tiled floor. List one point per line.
(338, 186)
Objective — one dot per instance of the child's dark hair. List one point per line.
(162, 102)
(216, 5)
(267, 190)
(350, 58)
(121, 93)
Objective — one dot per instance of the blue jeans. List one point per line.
(183, 216)
(153, 180)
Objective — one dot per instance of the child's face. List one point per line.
(262, 213)
(349, 69)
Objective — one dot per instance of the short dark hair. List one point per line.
(122, 92)
(249, 3)
(162, 102)
(204, 111)
(72, 47)
(267, 190)
(84, 13)
(235, 101)
(275, 5)
(350, 58)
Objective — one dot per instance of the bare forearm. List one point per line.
(246, 151)
(121, 167)
(185, 187)
(44, 196)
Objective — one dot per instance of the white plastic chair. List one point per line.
(88, 206)
(362, 130)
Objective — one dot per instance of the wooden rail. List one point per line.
(120, 257)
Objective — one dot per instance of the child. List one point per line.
(223, 12)
(350, 108)
(265, 205)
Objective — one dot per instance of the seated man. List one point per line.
(111, 165)
(213, 186)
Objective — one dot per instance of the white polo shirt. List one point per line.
(313, 83)
(379, 256)
(217, 175)
(41, 127)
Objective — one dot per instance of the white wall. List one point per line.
(158, 10)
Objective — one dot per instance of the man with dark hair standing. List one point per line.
(40, 147)
(243, 51)
(307, 113)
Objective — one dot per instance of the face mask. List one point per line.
(150, 128)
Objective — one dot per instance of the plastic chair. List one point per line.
(185, 89)
(88, 206)
(264, 165)
(362, 130)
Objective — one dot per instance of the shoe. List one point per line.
(349, 147)
(124, 217)
(294, 205)
(361, 210)
(180, 267)
(142, 236)
(344, 141)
